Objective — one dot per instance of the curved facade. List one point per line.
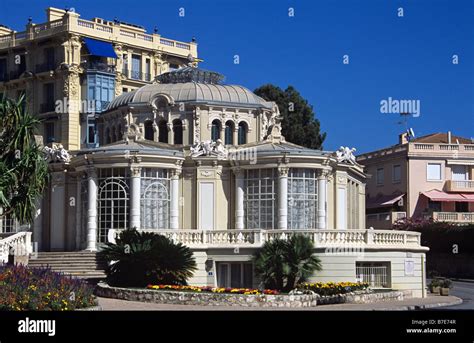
(207, 165)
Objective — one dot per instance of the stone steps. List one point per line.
(81, 264)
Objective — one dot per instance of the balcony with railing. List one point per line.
(384, 220)
(454, 217)
(460, 186)
(106, 30)
(99, 67)
(451, 150)
(370, 239)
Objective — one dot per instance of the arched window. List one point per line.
(155, 201)
(149, 134)
(113, 206)
(229, 133)
(242, 136)
(119, 132)
(215, 130)
(163, 131)
(177, 131)
(114, 135)
(107, 136)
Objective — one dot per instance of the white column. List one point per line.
(174, 210)
(239, 199)
(92, 210)
(322, 199)
(78, 213)
(135, 185)
(283, 198)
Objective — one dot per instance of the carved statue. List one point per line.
(345, 154)
(57, 154)
(209, 148)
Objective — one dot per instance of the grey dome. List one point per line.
(225, 95)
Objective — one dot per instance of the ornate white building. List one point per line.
(206, 164)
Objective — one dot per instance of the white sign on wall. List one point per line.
(409, 267)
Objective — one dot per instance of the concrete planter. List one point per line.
(444, 291)
(435, 290)
(241, 300)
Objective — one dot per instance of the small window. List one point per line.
(149, 133)
(461, 206)
(163, 132)
(229, 133)
(177, 131)
(91, 134)
(215, 130)
(380, 176)
(433, 172)
(397, 173)
(242, 134)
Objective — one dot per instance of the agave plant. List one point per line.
(141, 258)
(283, 264)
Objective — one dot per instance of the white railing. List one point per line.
(383, 239)
(459, 185)
(455, 217)
(17, 244)
(420, 146)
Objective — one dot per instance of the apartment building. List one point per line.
(426, 177)
(70, 68)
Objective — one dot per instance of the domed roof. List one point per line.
(193, 85)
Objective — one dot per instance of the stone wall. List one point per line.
(220, 299)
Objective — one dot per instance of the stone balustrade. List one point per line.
(371, 239)
(17, 244)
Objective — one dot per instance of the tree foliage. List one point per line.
(299, 124)
(283, 264)
(23, 169)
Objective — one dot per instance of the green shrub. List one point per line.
(282, 264)
(142, 258)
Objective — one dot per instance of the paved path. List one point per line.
(464, 290)
(409, 304)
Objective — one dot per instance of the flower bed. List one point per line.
(25, 289)
(332, 288)
(206, 289)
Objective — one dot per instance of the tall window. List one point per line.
(302, 199)
(91, 133)
(149, 133)
(396, 173)
(163, 131)
(242, 134)
(229, 132)
(50, 58)
(100, 91)
(136, 67)
(433, 172)
(380, 177)
(260, 199)
(113, 197)
(155, 199)
(147, 70)
(177, 131)
(215, 130)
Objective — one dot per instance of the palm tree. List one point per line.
(283, 264)
(23, 169)
(139, 259)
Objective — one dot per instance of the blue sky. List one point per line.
(407, 57)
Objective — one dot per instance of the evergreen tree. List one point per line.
(299, 125)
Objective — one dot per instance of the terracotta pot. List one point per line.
(435, 289)
(444, 291)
